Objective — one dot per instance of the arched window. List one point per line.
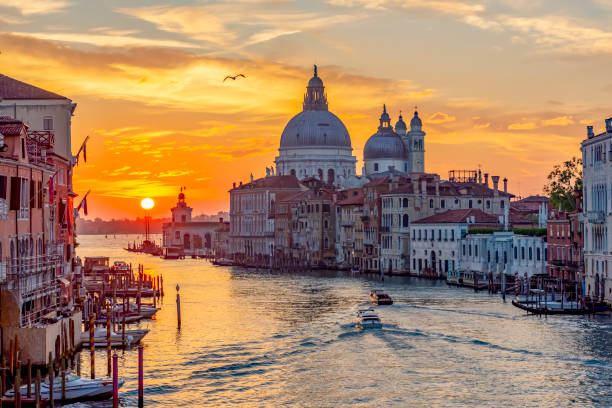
(405, 202)
(331, 176)
(326, 243)
(538, 254)
(431, 203)
(530, 254)
(405, 221)
(515, 252)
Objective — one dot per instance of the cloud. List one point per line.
(588, 122)
(522, 126)
(559, 121)
(102, 40)
(28, 7)
(440, 117)
(174, 173)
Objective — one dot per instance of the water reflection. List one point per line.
(254, 338)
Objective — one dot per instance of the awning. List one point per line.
(64, 281)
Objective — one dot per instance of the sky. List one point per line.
(507, 86)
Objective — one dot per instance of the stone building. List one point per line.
(194, 238)
(351, 227)
(565, 245)
(252, 212)
(435, 241)
(597, 205)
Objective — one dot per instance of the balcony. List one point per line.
(348, 243)
(596, 217)
(347, 223)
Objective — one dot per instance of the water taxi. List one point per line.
(368, 319)
(379, 297)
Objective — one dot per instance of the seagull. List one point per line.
(233, 77)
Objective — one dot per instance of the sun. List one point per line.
(147, 203)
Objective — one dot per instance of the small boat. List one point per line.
(129, 318)
(77, 389)
(379, 297)
(131, 337)
(25, 402)
(368, 319)
(223, 262)
(146, 311)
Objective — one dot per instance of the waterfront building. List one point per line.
(48, 117)
(435, 241)
(498, 252)
(565, 242)
(395, 150)
(194, 238)
(35, 280)
(315, 142)
(351, 227)
(313, 221)
(419, 195)
(597, 183)
(252, 212)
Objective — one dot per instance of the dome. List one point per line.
(400, 125)
(318, 128)
(416, 121)
(387, 145)
(315, 81)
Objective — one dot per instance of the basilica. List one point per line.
(315, 143)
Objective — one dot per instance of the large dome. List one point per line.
(318, 128)
(385, 146)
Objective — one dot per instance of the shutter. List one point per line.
(32, 194)
(3, 187)
(15, 193)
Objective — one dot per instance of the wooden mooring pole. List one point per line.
(140, 376)
(178, 306)
(51, 378)
(37, 389)
(92, 346)
(108, 339)
(115, 381)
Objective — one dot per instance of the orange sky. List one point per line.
(505, 85)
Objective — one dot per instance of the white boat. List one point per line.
(131, 337)
(146, 311)
(367, 318)
(77, 389)
(223, 262)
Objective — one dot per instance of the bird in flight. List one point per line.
(233, 77)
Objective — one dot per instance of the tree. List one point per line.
(563, 180)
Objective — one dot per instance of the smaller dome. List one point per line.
(181, 196)
(385, 116)
(400, 125)
(416, 121)
(388, 145)
(315, 81)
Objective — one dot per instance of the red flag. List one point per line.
(85, 205)
(85, 158)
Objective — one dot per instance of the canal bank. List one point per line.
(260, 338)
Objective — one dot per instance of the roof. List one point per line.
(353, 196)
(533, 198)
(271, 182)
(11, 88)
(11, 127)
(460, 217)
(309, 195)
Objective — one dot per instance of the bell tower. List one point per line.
(415, 142)
(181, 212)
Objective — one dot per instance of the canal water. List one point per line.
(266, 339)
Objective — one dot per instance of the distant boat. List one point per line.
(539, 306)
(379, 297)
(368, 319)
(131, 337)
(223, 262)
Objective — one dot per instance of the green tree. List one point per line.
(563, 180)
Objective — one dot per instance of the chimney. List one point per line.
(609, 125)
(221, 220)
(486, 179)
(505, 184)
(437, 182)
(590, 132)
(479, 176)
(495, 180)
(234, 184)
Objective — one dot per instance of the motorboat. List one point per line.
(146, 311)
(368, 319)
(131, 337)
(223, 262)
(379, 297)
(130, 317)
(77, 389)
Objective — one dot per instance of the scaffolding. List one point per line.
(463, 176)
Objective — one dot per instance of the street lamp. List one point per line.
(147, 204)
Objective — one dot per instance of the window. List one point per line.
(442, 204)
(375, 166)
(326, 224)
(470, 203)
(452, 235)
(475, 250)
(463, 249)
(48, 123)
(470, 250)
(488, 256)
(405, 203)
(431, 203)
(177, 235)
(515, 252)
(23, 148)
(537, 254)
(530, 254)
(488, 203)
(502, 204)
(522, 252)
(3, 185)
(405, 221)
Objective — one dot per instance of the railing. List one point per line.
(38, 143)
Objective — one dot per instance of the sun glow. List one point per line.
(147, 203)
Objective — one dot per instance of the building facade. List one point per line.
(597, 204)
